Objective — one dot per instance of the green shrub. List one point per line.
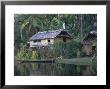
(24, 53)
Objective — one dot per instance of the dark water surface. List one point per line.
(47, 69)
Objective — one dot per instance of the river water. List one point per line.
(47, 69)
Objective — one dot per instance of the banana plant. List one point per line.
(23, 25)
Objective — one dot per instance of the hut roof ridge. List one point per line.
(46, 34)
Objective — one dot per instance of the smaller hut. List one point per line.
(89, 43)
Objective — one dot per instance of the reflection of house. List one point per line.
(89, 43)
(49, 37)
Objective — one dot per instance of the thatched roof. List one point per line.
(50, 34)
(89, 39)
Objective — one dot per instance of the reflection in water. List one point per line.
(47, 69)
